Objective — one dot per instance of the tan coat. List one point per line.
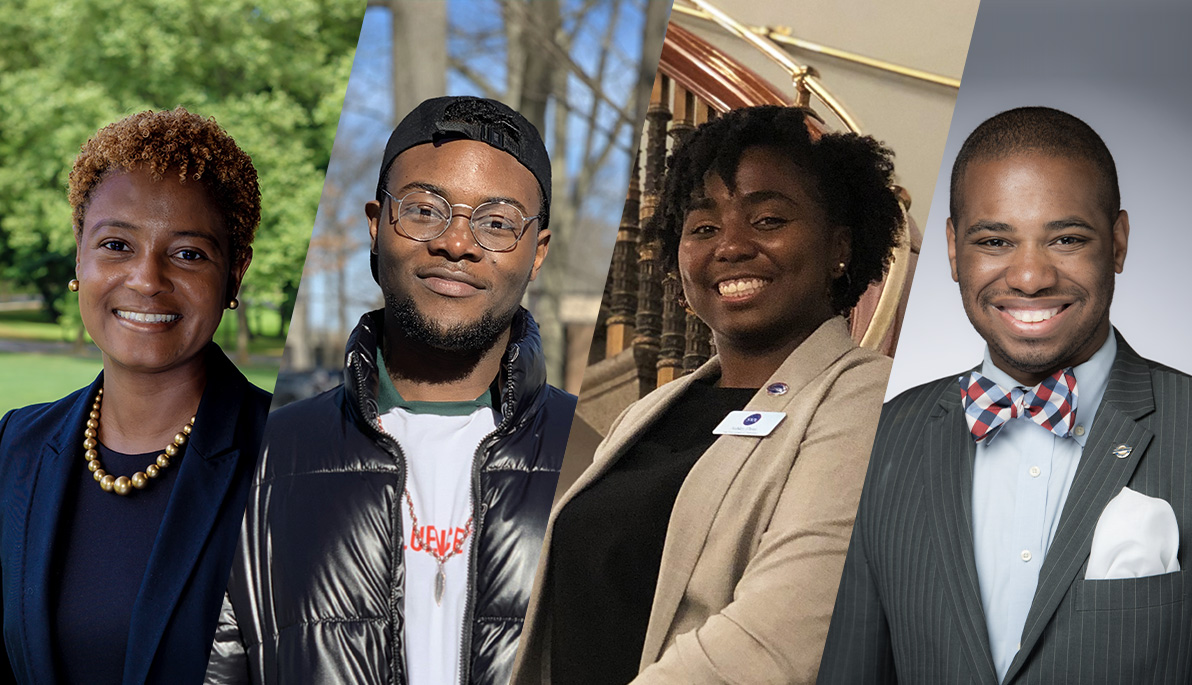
(758, 534)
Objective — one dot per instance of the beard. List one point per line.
(471, 338)
(1041, 357)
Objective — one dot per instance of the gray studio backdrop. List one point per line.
(1125, 68)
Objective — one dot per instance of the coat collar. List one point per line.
(950, 495)
(522, 377)
(1128, 398)
(203, 481)
(1099, 477)
(42, 517)
(819, 351)
(709, 480)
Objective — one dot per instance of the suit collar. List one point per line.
(1099, 477)
(948, 441)
(42, 518)
(1130, 383)
(821, 349)
(199, 490)
(225, 389)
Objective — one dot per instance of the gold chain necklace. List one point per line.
(123, 485)
(441, 576)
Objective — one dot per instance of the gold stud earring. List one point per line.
(73, 285)
(234, 303)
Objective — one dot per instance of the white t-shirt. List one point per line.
(439, 451)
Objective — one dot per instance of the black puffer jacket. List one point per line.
(316, 589)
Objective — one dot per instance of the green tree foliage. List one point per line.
(272, 72)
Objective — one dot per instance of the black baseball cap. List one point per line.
(443, 119)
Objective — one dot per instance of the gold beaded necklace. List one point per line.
(123, 485)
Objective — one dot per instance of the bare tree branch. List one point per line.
(475, 77)
(549, 45)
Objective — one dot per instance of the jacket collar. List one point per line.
(221, 398)
(707, 484)
(522, 378)
(819, 351)
(203, 480)
(1099, 477)
(1128, 398)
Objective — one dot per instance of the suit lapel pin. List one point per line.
(777, 388)
(1122, 451)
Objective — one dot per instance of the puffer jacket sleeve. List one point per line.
(228, 664)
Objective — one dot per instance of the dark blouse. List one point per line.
(99, 563)
(606, 548)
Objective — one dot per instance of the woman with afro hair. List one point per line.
(122, 502)
(706, 541)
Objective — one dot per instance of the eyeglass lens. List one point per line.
(495, 225)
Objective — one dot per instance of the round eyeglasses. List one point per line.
(424, 216)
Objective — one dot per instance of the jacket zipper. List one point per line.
(397, 665)
(478, 512)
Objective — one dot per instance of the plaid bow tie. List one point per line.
(987, 406)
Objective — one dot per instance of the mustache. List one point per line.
(1073, 294)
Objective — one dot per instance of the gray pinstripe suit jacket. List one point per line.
(909, 607)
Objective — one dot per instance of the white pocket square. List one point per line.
(1136, 536)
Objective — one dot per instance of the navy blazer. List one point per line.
(176, 609)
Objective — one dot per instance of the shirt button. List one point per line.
(1079, 430)
(1035, 471)
(1026, 555)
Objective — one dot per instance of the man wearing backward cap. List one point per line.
(396, 521)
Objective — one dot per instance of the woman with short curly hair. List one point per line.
(123, 500)
(706, 541)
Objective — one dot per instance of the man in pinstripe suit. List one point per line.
(984, 551)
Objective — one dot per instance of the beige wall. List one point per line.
(910, 116)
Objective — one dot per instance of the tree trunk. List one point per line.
(299, 356)
(242, 334)
(543, 79)
(653, 32)
(419, 53)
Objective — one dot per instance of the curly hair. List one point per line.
(197, 147)
(853, 178)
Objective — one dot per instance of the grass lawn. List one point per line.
(31, 325)
(32, 378)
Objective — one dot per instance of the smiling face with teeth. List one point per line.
(1036, 255)
(154, 270)
(757, 261)
(448, 293)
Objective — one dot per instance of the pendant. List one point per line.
(440, 584)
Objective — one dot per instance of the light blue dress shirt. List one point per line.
(1021, 479)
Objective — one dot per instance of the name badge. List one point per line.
(757, 424)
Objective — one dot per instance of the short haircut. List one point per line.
(195, 146)
(1036, 130)
(852, 176)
